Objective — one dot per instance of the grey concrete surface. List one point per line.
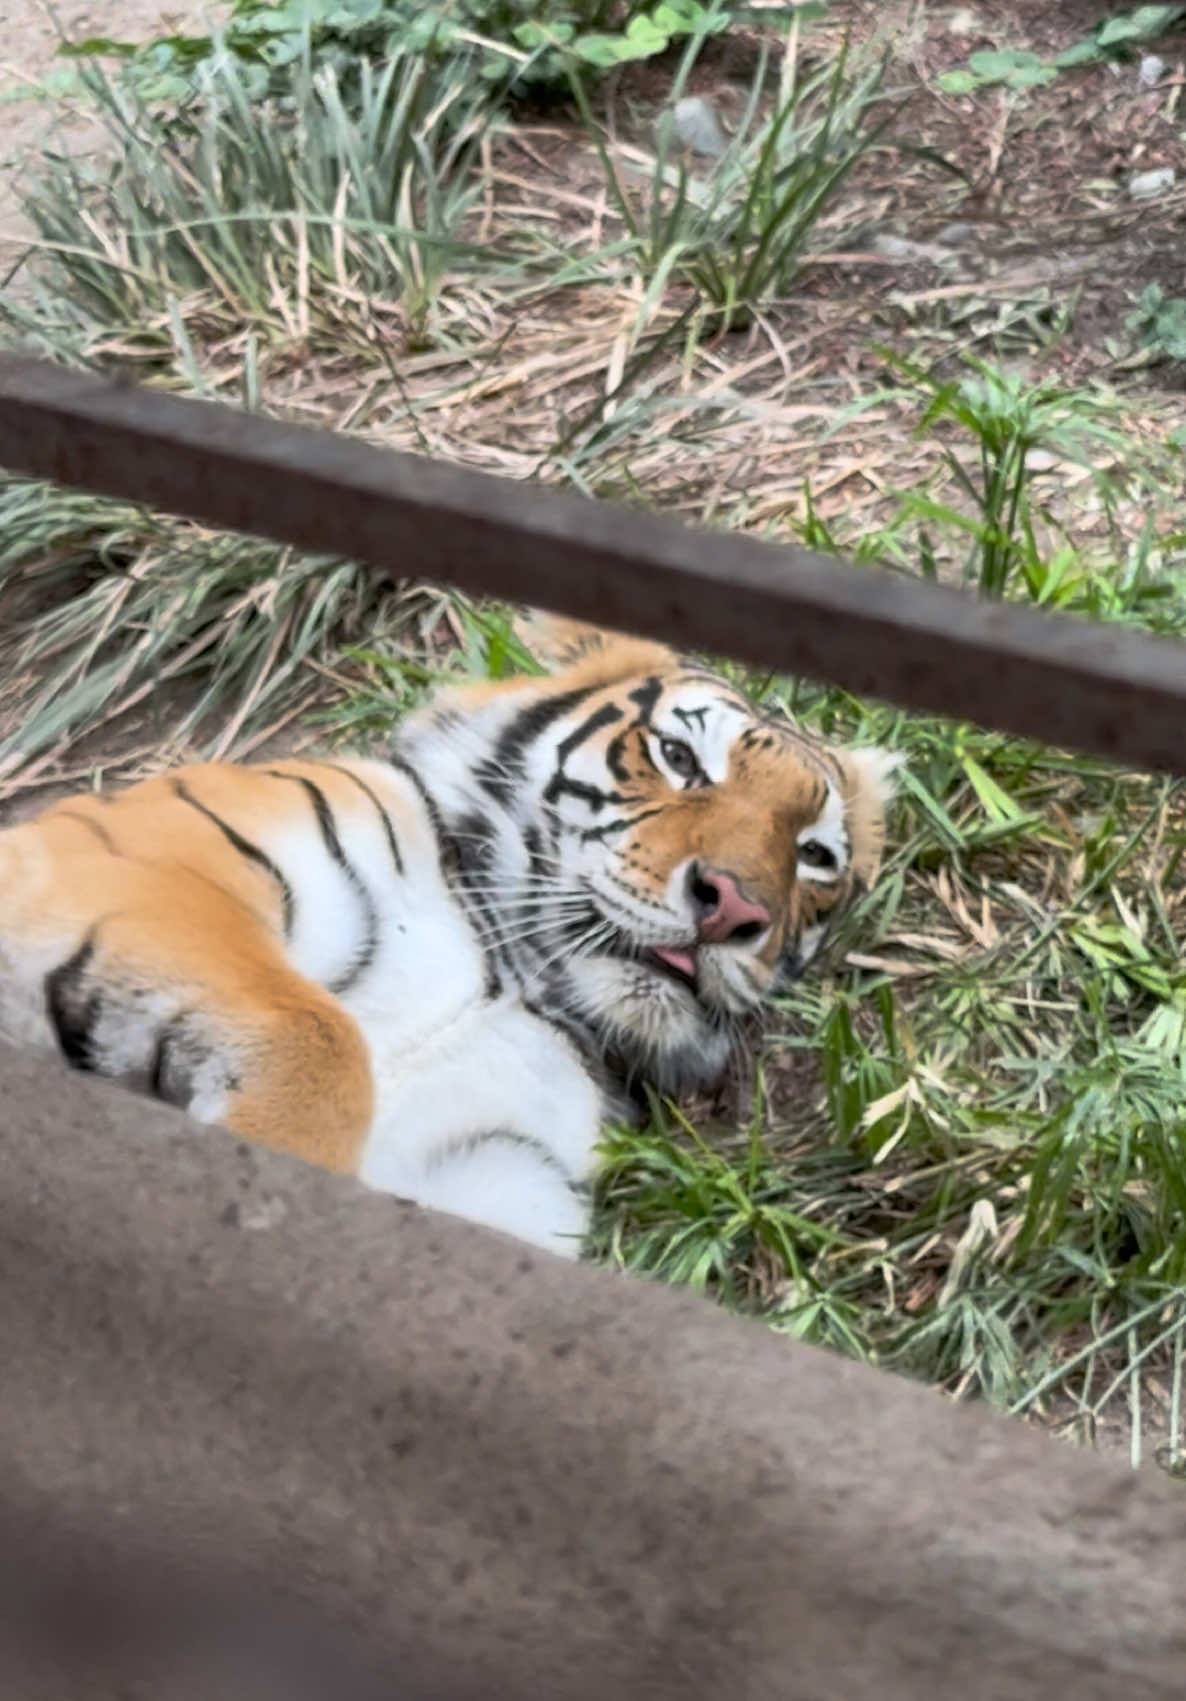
(264, 1435)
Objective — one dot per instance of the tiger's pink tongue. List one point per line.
(683, 962)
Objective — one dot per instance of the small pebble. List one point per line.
(698, 127)
(1150, 70)
(1143, 185)
(903, 248)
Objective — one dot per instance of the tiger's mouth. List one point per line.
(680, 963)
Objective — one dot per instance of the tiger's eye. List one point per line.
(680, 757)
(816, 854)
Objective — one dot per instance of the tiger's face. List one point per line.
(660, 854)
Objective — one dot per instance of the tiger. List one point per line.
(444, 969)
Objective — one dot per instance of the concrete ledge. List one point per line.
(259, 1423)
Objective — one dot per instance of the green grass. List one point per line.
(523, 44)
(105, 606)
(964, 1155)
(292, 215)
(736, 231)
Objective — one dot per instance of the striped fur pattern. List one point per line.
(441, 971)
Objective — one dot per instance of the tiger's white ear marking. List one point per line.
(869, 789)
(875, 770)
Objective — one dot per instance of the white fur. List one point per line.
(876, 768)
(828, 829)
(490, 1070)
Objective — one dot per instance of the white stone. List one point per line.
(1143, 185)
(698, 127)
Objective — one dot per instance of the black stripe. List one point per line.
(605, 716)
(561, 786)
(644, 745)
(534, 844)
(646, 696)
(95, 827)
(537, 864)
(180, 1052)
(504, 768)
(365, 955)
(471, 843)
(388, 829)
(245, 848)
(462, 852)
(168, 1078)
(466, 1143)
(615, 757)
(690, 716)
(618, 824)
(404, 767)
(74, 1010)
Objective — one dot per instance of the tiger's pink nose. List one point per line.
(722, 910)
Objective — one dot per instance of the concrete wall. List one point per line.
(264, 1435)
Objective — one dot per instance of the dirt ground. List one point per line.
(32, 30)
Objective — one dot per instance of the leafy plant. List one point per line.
(1018, 68)
(514, 44)
(738, 234)
(262, 205)
(1009, 420)
(1159, 321)
(1014, 67)
(1115, 37)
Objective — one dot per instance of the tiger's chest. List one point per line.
(460, 1063)
(482, 1106)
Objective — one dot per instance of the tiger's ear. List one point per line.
(868, 788)
(594, 652)
(556, 641)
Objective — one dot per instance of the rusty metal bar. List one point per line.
(1093, 688)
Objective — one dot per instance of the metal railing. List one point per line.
(1113, 693)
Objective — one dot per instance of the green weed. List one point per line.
(513, 45)
(738, 234)
(1011, 425)
(1114, 37)
(268, 211)
(1158, 322)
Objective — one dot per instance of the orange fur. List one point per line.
(177, 907)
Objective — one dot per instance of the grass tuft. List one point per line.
(737, 233)
(107, 606)
(287, 214)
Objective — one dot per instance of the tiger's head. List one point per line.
(654, 854)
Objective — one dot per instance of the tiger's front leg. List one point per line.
(192, 1000)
